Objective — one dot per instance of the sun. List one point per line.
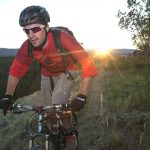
(102, 51)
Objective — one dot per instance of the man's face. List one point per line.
(36, 34)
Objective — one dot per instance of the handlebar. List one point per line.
(19, 108)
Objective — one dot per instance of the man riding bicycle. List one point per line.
(55, 82)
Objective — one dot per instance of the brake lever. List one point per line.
(6, 110)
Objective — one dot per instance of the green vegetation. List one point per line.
(135, 19)
(124, 119)
(29, 84)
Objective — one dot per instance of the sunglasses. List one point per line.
(34, 29)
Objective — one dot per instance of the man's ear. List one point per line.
(47, 27)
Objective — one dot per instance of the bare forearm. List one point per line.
(11, 85)
(85, 85)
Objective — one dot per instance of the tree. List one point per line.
(137, 21)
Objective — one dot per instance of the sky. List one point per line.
(93, 22)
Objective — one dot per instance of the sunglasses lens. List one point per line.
(34, 30)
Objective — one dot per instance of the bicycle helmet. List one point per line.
(34, 14)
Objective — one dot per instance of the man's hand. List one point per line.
(6, 102)
(78, 103)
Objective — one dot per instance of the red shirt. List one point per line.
(50, 59)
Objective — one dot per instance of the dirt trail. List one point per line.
(89, 116)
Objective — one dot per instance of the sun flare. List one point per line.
(103, 51)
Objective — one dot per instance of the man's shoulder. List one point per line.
(24, 45)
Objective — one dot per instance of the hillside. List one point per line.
(5, 52)
(122, 51)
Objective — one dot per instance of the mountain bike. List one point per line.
(46, 126)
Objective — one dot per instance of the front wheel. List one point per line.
(38, 147)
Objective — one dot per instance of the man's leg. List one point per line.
(64, 88)
(46, 92)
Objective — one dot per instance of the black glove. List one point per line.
(6, 102)
(78, 103)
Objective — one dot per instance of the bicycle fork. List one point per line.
(31, 141)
